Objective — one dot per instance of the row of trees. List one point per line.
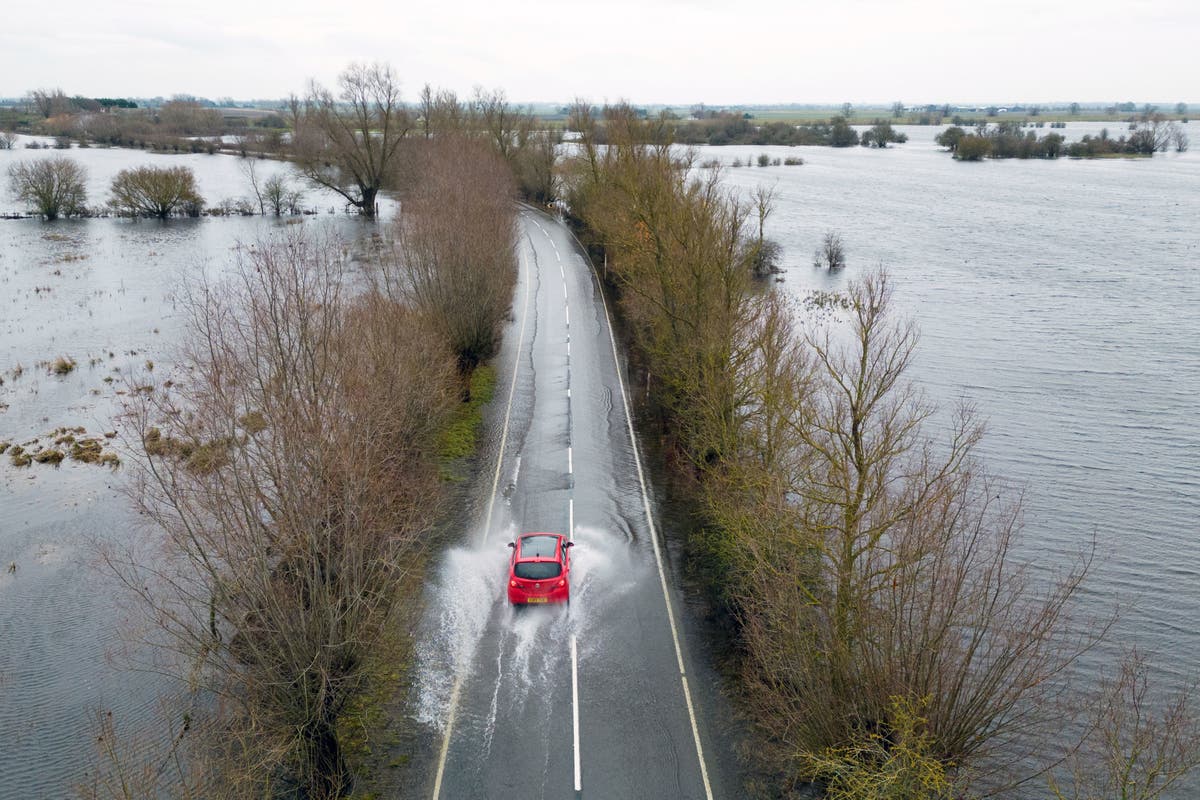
(1006, 140)
(56, 187)
(892, 642)
(364, 139)
(724, 128)
(293, 480)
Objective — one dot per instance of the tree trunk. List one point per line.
(326, 767)
(367, 207)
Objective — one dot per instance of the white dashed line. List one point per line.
(662, 576)
(575, 710)
(570, 464)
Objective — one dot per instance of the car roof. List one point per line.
(539, 545)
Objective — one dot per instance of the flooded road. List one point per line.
(536, 702)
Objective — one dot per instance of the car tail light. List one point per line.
(512, 584)
(563, 582)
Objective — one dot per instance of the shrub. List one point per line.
(973, 148)
(54, 186)
(950, 137)
(764, 160)
(62, 365)
(156, 192)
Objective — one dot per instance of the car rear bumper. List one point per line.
(521, 598)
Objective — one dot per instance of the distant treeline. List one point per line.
(727, 128)
(1007, 140)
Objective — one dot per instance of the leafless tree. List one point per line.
(886, 567)
(155, 192)
(275, 193)
(497, 119)
(454, 254)
(831, 254)
(190, 118)
(7, 140)
(50, 102)
(1141, 745)
(350, 143)
(763, 253)
(280, 196)
(249, 168)
(289, 481)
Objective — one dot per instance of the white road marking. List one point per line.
(456, 690)
(571, 518)
(567, 312)
(575, 710)
(570, 463)
(662, 576)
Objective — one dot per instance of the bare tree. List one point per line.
(280, 196)
(454, 256)
(249, 168)
(884, 567)
(156, 192)
(50, 102)
(350, 143)
(54, 187)
(7, 140)
(275, 193)
(289, 482)
(765, 253)
(1141, 744)
(190, 118)
(498, 120)
(831, 254)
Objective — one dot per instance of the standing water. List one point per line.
(102, 294)
(1062, 299)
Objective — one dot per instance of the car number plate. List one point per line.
(536, 600)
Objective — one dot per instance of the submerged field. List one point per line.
(1059, 297)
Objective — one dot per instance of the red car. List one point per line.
(540, 569)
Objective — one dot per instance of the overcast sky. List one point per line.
(647, 51)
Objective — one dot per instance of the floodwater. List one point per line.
(102, 293)
(1059, 297)
(1062, 299)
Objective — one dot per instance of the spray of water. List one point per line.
(473, 622)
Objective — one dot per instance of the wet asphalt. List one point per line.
(567, 464)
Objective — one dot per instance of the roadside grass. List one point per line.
(374, 729)
(461, 436)
(380, 742)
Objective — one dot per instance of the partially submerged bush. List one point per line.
(831, 254)
(62, 365)
(52, 187)
(159, 192)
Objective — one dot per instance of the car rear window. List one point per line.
(539, 546)
(537, 570)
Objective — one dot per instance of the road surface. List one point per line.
(600, 699)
